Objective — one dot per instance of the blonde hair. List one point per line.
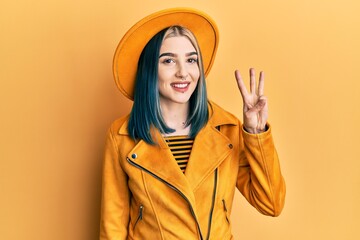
(179, 31)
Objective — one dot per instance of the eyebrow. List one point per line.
(174, 55)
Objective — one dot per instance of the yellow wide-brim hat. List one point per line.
(128, 52)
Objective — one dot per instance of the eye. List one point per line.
(192, 60)
(168, 61)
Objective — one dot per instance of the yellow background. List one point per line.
(57, 99)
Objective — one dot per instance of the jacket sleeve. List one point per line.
(115, 195)
(259, 177)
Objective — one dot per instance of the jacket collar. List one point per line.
(210, 148)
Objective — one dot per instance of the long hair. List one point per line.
(146, 111)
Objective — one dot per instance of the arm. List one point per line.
(259, 178)
(115, 195)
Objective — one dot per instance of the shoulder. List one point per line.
(120, 126)
(219, 116)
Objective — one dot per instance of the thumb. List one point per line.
(258, 106)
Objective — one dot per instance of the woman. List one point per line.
(171, 167)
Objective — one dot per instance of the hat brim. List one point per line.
(131, 45)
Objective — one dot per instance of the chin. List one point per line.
(176, 100)
(182, 101)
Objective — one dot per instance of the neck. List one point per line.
(175, 116)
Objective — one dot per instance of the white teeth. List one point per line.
(180, 85)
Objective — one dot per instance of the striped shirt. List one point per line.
(180, 147)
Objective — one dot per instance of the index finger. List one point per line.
(241, 84)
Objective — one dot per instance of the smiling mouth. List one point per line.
(180, 85)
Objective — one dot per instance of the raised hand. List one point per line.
(255, 107)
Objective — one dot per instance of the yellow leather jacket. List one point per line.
(146, 196)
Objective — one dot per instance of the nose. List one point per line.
(182, 72)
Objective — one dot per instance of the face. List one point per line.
(178, 71)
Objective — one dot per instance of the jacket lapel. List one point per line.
(158, 161)
(209, 150)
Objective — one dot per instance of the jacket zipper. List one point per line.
(174, 188)
(140, 217)
(212, 204)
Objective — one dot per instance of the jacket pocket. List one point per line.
(226, 211)
(140, 216)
